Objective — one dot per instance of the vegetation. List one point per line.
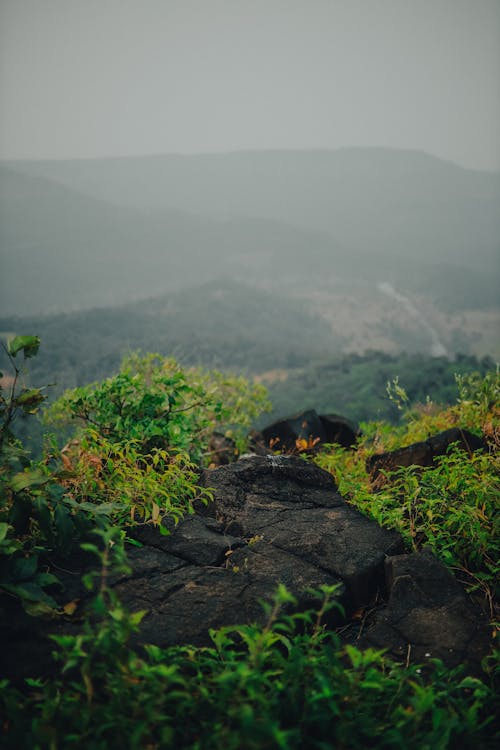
(257, 687)
(154, 403)
(288, 684)
(354, 385)
(134, 457)
(452, 507)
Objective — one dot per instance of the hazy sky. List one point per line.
(84, 78)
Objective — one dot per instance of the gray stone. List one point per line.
(428, 614)
(274, 519)
(425, 452)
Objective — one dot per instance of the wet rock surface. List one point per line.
(274, 519)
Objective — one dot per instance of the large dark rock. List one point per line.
(339, 430)
(424, 453)
(274, 519)
(428, 614)
(295, 507)
(284, 435)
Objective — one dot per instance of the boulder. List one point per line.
(428, 615)
(283, 434)
(294, 506)
(274, 519)
(310, 428)
(424, 453)
(339, 430)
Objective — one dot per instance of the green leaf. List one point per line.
(28, 591)
(28, 344)
(24, 568)
(39, 609)
(29, 400)
(136, 617)
(25, 479)
(4, 527)
(44, 518)
(47, 579)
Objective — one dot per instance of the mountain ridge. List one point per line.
(137, 227)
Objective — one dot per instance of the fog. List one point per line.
(121, 77)
(334, 165)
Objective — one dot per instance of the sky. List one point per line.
(93, 78)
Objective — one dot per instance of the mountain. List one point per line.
(226, 325)
(82, 234)
(62, 250)
(389, 201)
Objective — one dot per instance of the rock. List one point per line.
(294, 506)
(196, 540)
(274, 519)
(307, 426)
(428, 615)
(465, 439)
(417, 454)
(424, 453)
(339, 430)
(283, 434)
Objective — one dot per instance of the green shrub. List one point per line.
(275, 686)
(452, 506)
(154, 403)
(288, 684)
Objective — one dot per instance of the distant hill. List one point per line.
(389, 201)
(62, 250)
(220, 324)
(80, 234)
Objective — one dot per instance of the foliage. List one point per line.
(126, 485)
(34, 516)
(130, 464)
(451, 506)
(155, 404)
(19, 398)
(287, 684)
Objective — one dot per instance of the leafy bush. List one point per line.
(133, 460)
(34, 516)
(154, 403)
(276, 686)
(451, 506)
(129, 486)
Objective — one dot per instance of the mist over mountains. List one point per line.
(322, 231)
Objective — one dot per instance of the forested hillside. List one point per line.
(102, 232)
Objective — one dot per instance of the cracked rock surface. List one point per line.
(427, 615)
(274, 519)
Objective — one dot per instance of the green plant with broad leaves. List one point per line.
(34, 517)
(154, 403)
(287, 683)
